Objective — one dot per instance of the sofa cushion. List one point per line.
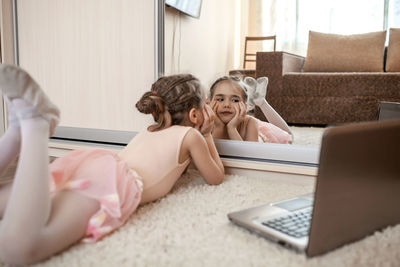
(345, 53)
(345, 84)
(393, 53)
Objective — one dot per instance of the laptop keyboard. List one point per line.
(296, 224)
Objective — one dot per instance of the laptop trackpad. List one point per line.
(294, 204)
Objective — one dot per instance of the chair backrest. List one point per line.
(251, 57)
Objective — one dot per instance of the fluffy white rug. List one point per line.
(307, 135)
(189, 227)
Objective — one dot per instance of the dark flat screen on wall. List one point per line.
(189, 7)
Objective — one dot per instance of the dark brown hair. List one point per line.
(170, 99)
(232, 79)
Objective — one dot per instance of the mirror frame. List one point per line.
(307, 156)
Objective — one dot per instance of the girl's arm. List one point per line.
(205, 156)
(218, 131)
(203, 152)
(234, 134)
(251, 130)
(232, 126)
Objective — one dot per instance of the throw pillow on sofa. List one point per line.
(345, 53)
(393, 52)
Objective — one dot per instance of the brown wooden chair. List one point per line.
(251, 57)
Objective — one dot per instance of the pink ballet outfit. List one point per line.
(101, 175)
(145, 170)
(155, 157)
(269, 133)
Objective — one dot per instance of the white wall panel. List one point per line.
(94, 58)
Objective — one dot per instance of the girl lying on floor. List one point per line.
(229, 96)
(90, 193)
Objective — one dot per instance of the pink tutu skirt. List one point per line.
(269, 133)
(99, 174)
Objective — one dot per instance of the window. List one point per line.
(291, 20)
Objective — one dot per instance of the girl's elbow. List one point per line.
(219, 182)
(219, 179)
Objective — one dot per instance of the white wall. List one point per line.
(206, 45)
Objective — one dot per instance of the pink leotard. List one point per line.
(155, 157)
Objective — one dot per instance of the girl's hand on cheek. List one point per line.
(218, 123)
(209, 119)
(240, 114)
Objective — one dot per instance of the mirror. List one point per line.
(212, 59)
(210, 54)
(213, 45)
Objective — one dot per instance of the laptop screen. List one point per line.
(388, 110)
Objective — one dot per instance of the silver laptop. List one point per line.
(357, 192)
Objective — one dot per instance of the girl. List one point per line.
(93, 192)
(229, 95)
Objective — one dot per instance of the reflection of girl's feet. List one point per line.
(10, 142)
(17, 83)
(257, 90)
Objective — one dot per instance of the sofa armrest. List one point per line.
(274, 65)
(277, 63)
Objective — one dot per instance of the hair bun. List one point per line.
(147, 104)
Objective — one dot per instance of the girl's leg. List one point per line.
(31, 182)
(70, 214)
(32, 228)
(26, 223)
(273, 116)
(257, 93)
(5, 191)
(10, 142)
(10, 145)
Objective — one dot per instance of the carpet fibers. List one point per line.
(189, 227)
(308, 136)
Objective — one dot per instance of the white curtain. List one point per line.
(291, 20)
(394, 14)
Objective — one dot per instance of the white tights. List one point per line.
(35, 226)
(273, 116)
(257, 90)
